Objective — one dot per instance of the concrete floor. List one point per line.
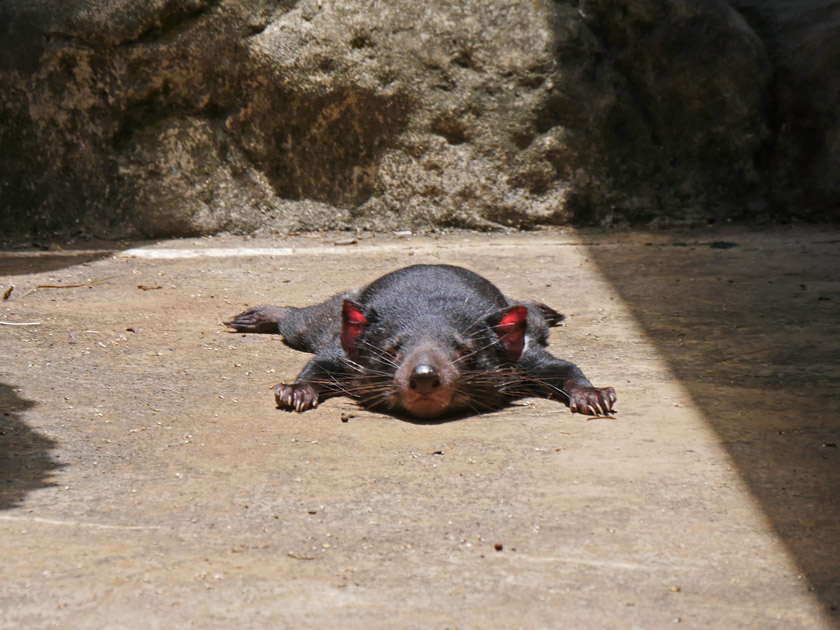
(149, 482)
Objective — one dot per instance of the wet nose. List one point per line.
(424, 379)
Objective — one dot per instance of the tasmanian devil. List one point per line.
(425, 340)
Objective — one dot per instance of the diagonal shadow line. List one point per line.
(751, 327)
(25, 460)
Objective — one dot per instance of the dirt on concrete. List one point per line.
(149, 482)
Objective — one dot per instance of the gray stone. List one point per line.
(803, 161)
(186, 117)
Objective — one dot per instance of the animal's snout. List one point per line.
(424, 380)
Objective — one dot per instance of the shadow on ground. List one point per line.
(754, 336)
(25, 460)
(20, 258)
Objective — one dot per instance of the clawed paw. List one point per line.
(298, 397)
(592, 401)
(258, 319)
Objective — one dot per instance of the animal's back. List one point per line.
(423, 291)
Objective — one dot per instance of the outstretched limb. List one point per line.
(555, 378)
(552, 318)
(309, 329)
(319, 380)
(263, 319)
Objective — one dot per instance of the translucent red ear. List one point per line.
(353, 325)
(511, 328)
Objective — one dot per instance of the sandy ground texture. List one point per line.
(149, 482)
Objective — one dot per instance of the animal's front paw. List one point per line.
(592, 401)
(298, 397)
(259, 319)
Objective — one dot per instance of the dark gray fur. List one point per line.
(447, 314)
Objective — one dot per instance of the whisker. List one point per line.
(380, 354)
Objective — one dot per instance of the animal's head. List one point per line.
(428, 366)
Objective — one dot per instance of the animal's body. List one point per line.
(425, 340)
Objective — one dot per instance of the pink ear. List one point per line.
(353, 324)
(511, 330)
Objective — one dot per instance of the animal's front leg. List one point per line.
(318, 381)
(296, 397)
(552, 377)
(592, 401)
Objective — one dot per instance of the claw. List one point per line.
(258, 319)
(592, 401)
(298, 397)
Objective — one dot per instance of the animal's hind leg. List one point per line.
(315, 328)
(260, 319)
(311, 329)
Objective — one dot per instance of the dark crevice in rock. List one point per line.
(464, 59)
(252, 30)
(174, 18)
(452, 130)
(138, 116)
(362, 40)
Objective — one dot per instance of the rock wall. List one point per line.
(181, 117)
(802, 160)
